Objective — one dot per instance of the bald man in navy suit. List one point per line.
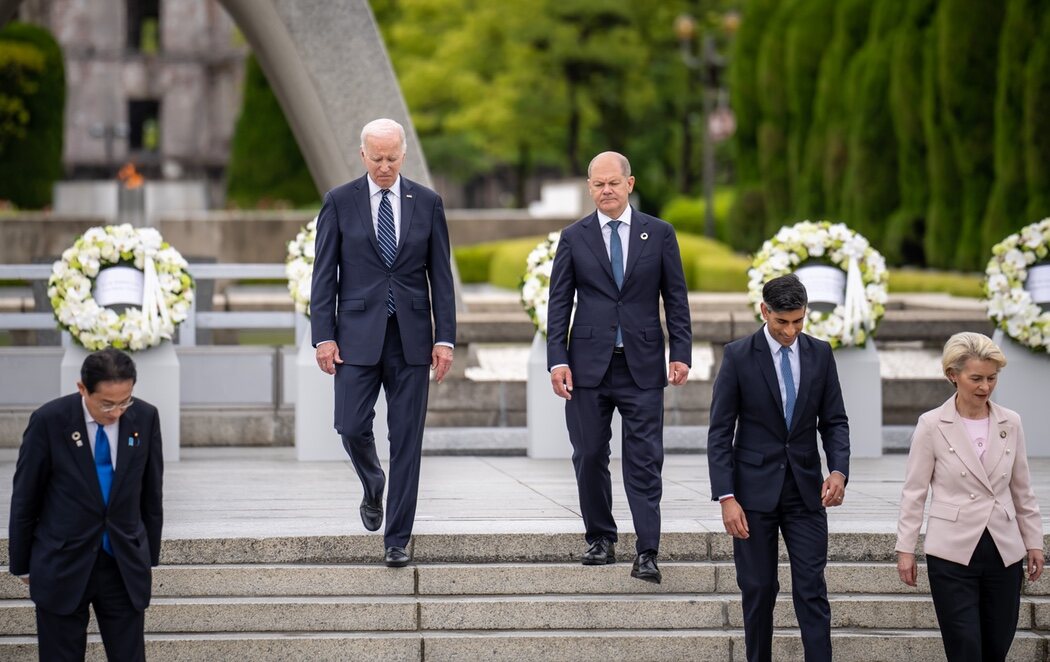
(617, 263)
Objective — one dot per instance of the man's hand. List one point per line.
(734, 519)
(328, 356)
(441, 361)
(677, 373)
(561, 380)
(833, 490)
(906, 568)
(1035, 564)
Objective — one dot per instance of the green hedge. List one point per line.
(686, 214)
(946, 282)
(32, 108)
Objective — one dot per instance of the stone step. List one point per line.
(539, 612)
(696, 645)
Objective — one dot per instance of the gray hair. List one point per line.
(384, 127)
(967, 345)
(625, 165)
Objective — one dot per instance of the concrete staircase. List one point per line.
(512, 596)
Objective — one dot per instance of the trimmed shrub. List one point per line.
(687, 214)
(473, 262)
(32, 108)
(946, 282)
(266, 166)
(507, 267)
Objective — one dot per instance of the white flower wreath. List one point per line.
(1010, 304)
(834, 244)
(299, 266)
(167, 288)
(535, 286)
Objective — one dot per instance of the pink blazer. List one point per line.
(967, 499)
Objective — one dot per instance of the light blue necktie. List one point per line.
(616, 257)
(104, 469)
(789, 384)
(387, 243)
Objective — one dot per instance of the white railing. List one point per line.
(224, 319)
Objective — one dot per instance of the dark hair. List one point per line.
(107, 365)
(784, 293)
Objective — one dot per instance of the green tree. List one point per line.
(1036, 136)
(809, 32)
(870, 185)
(903, 241)
(774, 121)
(1006, 211)
(266, 166)
(967, 49)
(945, 205)
(32, 106)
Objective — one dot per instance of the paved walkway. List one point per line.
(263, 492)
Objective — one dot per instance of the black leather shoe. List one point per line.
(645, 568)
(396, 557)
(372, 513)
(601, 552)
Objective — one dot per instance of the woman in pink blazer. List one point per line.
(984, 518)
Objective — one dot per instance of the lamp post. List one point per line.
(718, 123)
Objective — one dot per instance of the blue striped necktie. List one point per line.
(104, 469)
(387, 243)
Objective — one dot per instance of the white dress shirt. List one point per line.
(624, 231)
(112, 431)
(796, 367)
(375, 196)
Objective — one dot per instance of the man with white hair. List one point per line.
(382, 312)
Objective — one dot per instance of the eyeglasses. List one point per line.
(122, 406)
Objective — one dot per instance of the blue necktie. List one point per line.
(104, 469)
(616, 256)
(387, 243)
(789, 384)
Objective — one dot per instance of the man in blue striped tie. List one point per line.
(383, 313)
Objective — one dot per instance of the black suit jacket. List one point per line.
(57, 512)
(746, 404)
(350, 279)
(582, 270)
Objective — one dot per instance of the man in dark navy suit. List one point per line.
(381, 270)
(617, 263)
(86, 512)
(774, 391)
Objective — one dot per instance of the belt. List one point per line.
(617, 350)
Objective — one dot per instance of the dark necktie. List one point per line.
(616, 257)
(387, 243)
(104, 469)
(789, 384)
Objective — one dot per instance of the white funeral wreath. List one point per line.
(299, 266)
(851, 323)
(167, 289)
(1010, 304)
(535, 286)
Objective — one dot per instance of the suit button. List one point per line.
(1007, 451)
(619, 303)
(973, 496)
(781, 465)
(1004, 475)
(963, 474)
(787, 445)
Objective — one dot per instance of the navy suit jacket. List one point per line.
(350, 279)
(57, 512)
(746, 404)
(582, 269)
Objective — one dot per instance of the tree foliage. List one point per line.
(32, 106)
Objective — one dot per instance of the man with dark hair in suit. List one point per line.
(86, 512)
(383, 311)
(774, 390)
(617, 263)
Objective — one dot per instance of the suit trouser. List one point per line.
(806, 537)
(63, 637)
(977, 604)
(589, 419)
(406, 389)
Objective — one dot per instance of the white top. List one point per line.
(624, 231)
(112, 431)
(978, 433)
(375, 196)
(796, 366)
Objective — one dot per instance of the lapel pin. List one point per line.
(76, 438)
(131, 442)
(1002, 434)
(408, 195)
(644, 236)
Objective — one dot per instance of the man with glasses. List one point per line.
(86, 512)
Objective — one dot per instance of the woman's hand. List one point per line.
(907, 570)
(1035, 564)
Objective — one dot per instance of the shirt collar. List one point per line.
(625, 217)
(373, 188)
(774, 344)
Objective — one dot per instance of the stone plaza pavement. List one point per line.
(265, 492)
